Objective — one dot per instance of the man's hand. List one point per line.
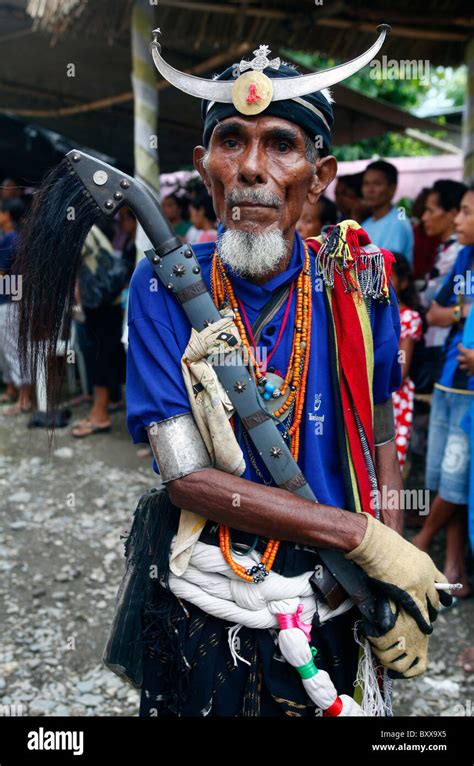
(401, 572)
(466, 358)
(403, 649)
(406, 576)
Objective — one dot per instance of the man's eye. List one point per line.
(283, 146)
(230, 142)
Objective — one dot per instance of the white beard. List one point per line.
(252, 255)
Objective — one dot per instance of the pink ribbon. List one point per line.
(286, 621)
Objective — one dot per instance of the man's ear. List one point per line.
(325, 170)
(198, 154)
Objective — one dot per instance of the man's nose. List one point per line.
(252, 165)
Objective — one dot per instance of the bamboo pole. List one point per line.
(468, 116)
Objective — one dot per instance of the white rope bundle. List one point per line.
(210, 584)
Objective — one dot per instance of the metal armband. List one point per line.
(384, 423)
(178, 447)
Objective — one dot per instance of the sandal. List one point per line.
(18, 409)
(86, 428)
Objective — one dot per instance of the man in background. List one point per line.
(387, 225)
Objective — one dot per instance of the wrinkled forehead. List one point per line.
(258, 125)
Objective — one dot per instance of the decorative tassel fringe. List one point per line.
(373, 702)
(155, 523)
(388, 692)
(147, 550)
(164, 630)
(361, 266)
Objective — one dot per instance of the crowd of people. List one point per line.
(432, 279)
(433, 248)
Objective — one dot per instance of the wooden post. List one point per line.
(468, 116)
(145, 107)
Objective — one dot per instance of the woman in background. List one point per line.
(203, 217)
(411, 332)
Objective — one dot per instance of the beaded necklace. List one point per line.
(263, 367)
(295, 380)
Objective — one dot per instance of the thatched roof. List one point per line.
(95, 107)
(436, 30)
(107, 18)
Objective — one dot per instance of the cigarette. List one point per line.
(448, 585)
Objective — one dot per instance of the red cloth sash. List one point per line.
(354, 382)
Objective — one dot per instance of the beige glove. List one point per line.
(403, 649)
(406, 576)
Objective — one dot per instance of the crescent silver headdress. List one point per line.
(252, 91)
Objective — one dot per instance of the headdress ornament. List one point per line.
(253, 90)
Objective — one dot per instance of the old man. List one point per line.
(319, 323)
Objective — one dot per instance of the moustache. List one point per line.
(255, 196)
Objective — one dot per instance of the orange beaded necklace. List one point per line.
(295, 379)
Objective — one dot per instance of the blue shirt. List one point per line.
(467, 424)
(391, 233)
(159, 332)
(459, 281)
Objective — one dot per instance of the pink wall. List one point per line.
(169, 181)
(414, 172)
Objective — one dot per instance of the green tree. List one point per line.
(445, 87)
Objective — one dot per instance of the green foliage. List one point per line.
(445, 87)
(448, 84)
(388, 145)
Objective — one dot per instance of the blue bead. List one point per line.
(267, 395)
(269, 387)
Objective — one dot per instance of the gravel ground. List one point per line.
(61, 560)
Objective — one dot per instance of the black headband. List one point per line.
(313, 113)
